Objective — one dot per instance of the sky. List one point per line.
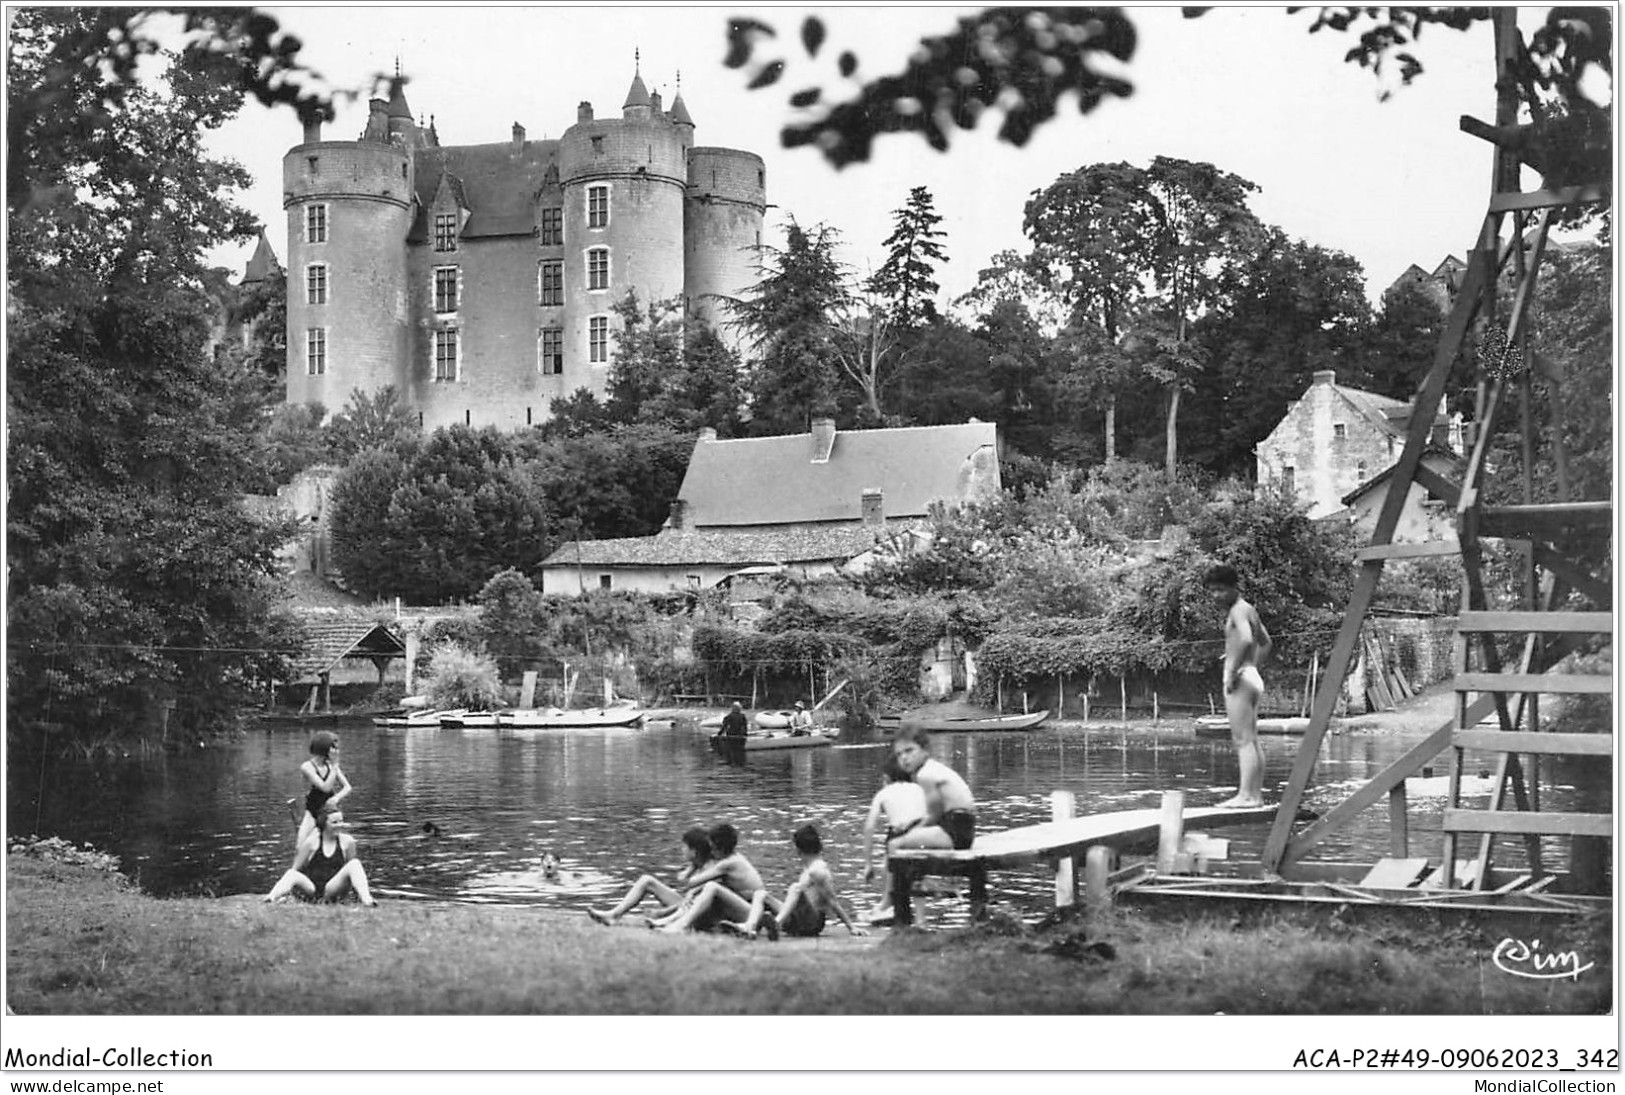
(1247, 89)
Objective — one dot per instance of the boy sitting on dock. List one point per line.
(950, 808)
(808, 902)
(722, 890)
(901, 804)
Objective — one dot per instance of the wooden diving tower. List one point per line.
(1505, 657)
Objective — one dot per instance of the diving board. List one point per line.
(1055, 841)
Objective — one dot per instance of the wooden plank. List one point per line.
(1508, 887)
(1395, 874)
(1073, 836)
(1424, 550)
(1547, 623)
(1545, 199)
(1571, 684)
(1599, 590)
(1399, 833)
(1527, 821)
(1545, 519)
(1526, 741)
(1437, 485)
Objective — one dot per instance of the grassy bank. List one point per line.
(80, 942)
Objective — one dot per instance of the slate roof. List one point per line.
(498, 184)
(1388, 415)
(773, 481)
(263, 264)
(328, 642)
(741, 549)
(1454, 465)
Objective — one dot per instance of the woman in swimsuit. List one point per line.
(326, 865)
(325, 782)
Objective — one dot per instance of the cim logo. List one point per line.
(1522, 959)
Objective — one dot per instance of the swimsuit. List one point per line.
(316, 798)
(806, 920)
(321, 867)
(893, 832)
(960, 825)
(1249, 677)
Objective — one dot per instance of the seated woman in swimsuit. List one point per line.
(325, 782)
(326, 865)
(900, 803)
(699, 854)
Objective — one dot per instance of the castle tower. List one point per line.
(349, 206)
(623, 186)
(724, 205)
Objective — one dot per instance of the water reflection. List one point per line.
(610, 804)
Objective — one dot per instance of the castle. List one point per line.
(480, 280)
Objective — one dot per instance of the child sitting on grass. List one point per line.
(699, 854)
(808, 902)
(721, 891)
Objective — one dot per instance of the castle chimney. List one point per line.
(678, 522)
(313, 128)
(823, 439)
(518, 136)
(874, 508)
(1326, 376)
(583, 111)
(708, 433)
(377, 121)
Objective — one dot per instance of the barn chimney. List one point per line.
(678, 522)
(583, 111)
(874, 508)
(708, 433)
(823, 439)
(518, 136)
(1326, 376)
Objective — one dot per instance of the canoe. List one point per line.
(956, 720)
(401, 718)
(554, 718)
(1218, 726)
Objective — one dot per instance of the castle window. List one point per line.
(597, 206)
(316, 223)
(1359, 470)
(316, 351)
(598, 146)
(550, 351)
(598, 340)
(598, 268)
(1289, 478)
(552, 226)
(445, 231)
(316, 283)
(550, 283)
(313, 165)
(1340, 432)
(445, 354)
(445, 288)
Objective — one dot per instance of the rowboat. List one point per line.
(1219, 726)
(954, 718)
(557, 718)
(762, 720)
(404, 717)
(755, 743)
(471, 720)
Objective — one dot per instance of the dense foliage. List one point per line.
(141, 591)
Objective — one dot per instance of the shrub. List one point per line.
(459, 677)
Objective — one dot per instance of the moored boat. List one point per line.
(557, 718)
(1218, 726)
(949, 719)
(782, 739)
(404, 717)
(470, 720)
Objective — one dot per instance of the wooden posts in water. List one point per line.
(1097, 890)
(1063, 807)
(1173, 825)
(1399, 839)
(1122, 695)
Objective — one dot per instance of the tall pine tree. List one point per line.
(906, 281)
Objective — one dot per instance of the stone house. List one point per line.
(1332, 440)
(1425, 516)
(809, 505)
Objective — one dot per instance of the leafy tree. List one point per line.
(790, 315)
(137, 580)
(263, 307)
(294, 440)
(1095, 237)
(619, 482)
(576, 415)
(369, 422)
(906, 281)
(512, 620)
(711, 387)
(670, 371)
(1204, 227)
(1291, 309)
(359, 505)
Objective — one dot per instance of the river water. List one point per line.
(610, 804)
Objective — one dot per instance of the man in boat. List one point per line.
(801, 721)
(950, 808)
(1247, 646)
(734, 730)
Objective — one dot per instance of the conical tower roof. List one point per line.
(679, 112)
(397, 99)
(637, 94)
(263, 264)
